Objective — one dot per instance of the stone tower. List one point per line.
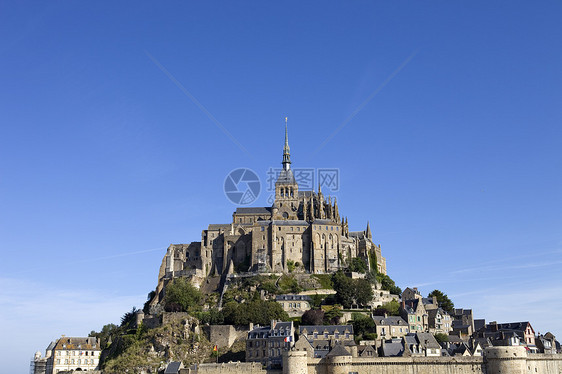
(286, 205)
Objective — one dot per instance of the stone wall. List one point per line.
(229, 368)
(497, 360)
(225, 335)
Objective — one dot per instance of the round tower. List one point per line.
(506, 360)
(339, 364)
(295, 362)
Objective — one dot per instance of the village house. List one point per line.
(295, 305)
(266, 344)
(439, 321)
(414, 313)
(422, 344)
(388, 327)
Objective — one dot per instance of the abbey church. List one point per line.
(302, 229)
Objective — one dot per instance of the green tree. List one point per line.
(332, 314)
(180, 292)
(107, 334)
(363, 292)
(351, 291)
(255, 311)
(361, 324)
(149, 297)
(128, 318)
(441, 338)
(388, 284)
(344, 288)
(313, 317)
(392, 308)
(358, 265)
(443, 301)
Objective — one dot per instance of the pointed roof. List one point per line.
(368, 231)
(338, 350)
(286, 150)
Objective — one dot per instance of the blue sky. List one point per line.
(444, 120)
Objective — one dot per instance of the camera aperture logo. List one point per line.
(242, 186)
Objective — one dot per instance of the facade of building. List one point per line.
(294, 305)
(413, 312)
(73, 353)
(302, 227)
(439, 321)
(390, 327)
(266, 344)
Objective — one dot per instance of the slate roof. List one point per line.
(292, 297)
(357, 234)
(286, 177)
(294, 222)
(218, 226)
(427, 340)
(331, 329)
(306, 193)
(389, 321)
(262, 332)
(65, 343)
(338, 350)
(392, 348)
(253, 210)
(173, 367)
(324, 222)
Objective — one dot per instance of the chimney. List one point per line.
(415, 289)
(251, 326)
(273, 323)
(494, 326)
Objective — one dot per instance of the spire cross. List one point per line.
(286, 150)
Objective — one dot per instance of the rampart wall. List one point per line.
(497, 360)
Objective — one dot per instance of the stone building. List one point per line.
(295, 305)
(266, 344)
(304, 228)
(439, 321)
(69, 353)
(388, 327)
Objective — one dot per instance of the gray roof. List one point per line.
(267, 331)
(338, 350)
(292, 297)
(294, 222)
(286, 177)
(358, 234)
(392, 348)
(217, 226)
(389, 321)
(253, 210)
(427, 340)
(306, 193)
(173, 367)
(331, 329)
(325, 222)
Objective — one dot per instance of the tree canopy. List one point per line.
(255, 311)
(181, 296)
(443, 300)
(358, 265)
(313, 317)
(392, 308)
(351, 291)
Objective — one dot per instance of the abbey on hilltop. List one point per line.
(301, 228)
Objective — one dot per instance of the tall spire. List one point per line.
(368, 231)
(286, 150)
